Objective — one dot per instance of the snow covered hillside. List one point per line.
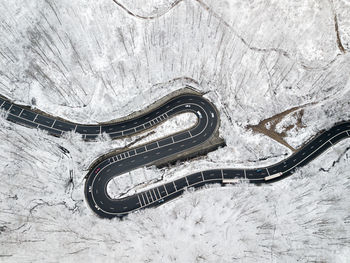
(91, 61)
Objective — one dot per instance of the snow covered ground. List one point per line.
(92, 61)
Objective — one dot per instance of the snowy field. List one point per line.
(91, 61)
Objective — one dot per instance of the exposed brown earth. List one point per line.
(268, 126)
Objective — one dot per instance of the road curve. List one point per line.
(208, 120)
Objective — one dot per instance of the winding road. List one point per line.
(175, 145)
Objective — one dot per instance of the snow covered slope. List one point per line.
(92, 61)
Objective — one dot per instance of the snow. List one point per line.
(178, 123)
(90, 61)
(44, 216)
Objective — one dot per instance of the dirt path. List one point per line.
(268, 126)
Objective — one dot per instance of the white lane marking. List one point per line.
(160, 196)
(122, 132)
(154, 194)
(85, 135)
(144, 201)
(245, 174)
(206, 125)
(35, 118)
(138, 197)
(187, 181)
(172, 139)
(268, 171)
(195, 183)
(348, 133)
(165, 189)
(53, 123)
(202, 176)
(3, 103)
(174, 185)
(150, 194)
(222, 174)
(147, 197)
(100, 129)
(310, 154)
(330, 142)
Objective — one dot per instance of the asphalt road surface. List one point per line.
(99, 176)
